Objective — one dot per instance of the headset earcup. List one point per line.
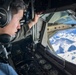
(5, 17)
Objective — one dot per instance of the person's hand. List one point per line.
(35, 20)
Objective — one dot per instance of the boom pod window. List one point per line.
(64, 44)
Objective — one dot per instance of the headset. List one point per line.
(5, 13)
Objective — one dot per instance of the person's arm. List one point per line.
(23, 31)
(21, 34)
(6, 69)
(34, 21)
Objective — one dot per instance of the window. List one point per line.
(64, 44)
